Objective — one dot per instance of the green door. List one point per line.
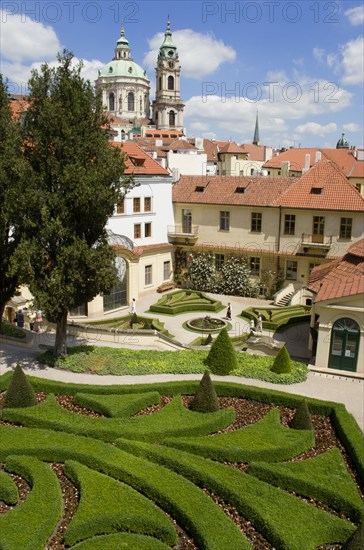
(344, 345)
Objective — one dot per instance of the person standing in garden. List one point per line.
(133, 306)
(228, 312)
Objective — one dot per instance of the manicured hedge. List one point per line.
(107, 505)
(266, 440)
(194, 511)
(172, 420)
(126, 541)
(323, 477)
(182, 301)
(117, 405)
(280, 316)
(29, 525)
(8, 489)
(286, 521)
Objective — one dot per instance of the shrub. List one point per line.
(356, 541)
(208, 340)
(302, 418)
(205, 399)
(282, 363)
(134, 320)
(20, 392)
(222, 356)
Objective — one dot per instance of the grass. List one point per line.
(103, 360)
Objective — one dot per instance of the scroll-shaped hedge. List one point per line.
(108, 505)
(323, 477)
(286, 521)
(31, 523)
(266, 440)
(117, 405)
(8, 489)
(193, 510)
(173, 419)
(126, 541)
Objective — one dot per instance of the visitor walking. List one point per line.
(260, 324)
(38, 321)
(133, 306)
(20, 318)
(252, 327)
(228, 312)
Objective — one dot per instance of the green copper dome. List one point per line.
(123, 67)
(343, 142)
(168, 48)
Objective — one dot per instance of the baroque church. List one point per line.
(125, 90)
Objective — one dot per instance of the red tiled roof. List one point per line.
(211, 149)
(178, 145)
(138, 162)
(296, 157)
(256, 152)
(342, 277)
(337, 193)
(239, 190)
(232, 147)
(18, 104)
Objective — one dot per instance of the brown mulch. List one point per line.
(247, 412)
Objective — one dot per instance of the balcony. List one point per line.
(183, 234)
(315, 242)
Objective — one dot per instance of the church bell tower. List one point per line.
(168, 105)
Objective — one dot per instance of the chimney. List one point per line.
(285, 167)
(307, 163)
(268, 153)
(317, 156)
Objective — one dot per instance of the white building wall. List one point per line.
(187, 164)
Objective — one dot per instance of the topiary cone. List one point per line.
(205, 399)
(282, 363)
(302, 418)
(222, 356)
(20, 392)
(356, 540)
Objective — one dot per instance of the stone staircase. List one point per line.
(285, 300)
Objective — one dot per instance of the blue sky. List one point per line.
(299, 63)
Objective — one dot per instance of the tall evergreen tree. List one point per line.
(13, 176)
(78, 180)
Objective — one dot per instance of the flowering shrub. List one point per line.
(235, 278)
(202, 272)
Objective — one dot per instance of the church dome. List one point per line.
(123, 68)
(342, 143)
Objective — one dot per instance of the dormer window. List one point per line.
(200, 189)
(130, 70)
(316, 190)
(110, 69)
(240, 190)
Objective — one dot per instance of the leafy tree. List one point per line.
(282, 362)
(222, 356)
(13, 176)
(235, 278)
(205, 399)
(202, 272)
(77, 182)
(20, 392)
(302, 418)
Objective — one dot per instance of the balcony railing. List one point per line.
(180, 230)
(316, 241)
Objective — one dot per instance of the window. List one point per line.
(186, 221)
(136, 204)
(256, 222)
(254, 266)
(172, 118)
(160, 82)
(219, 261)
(224, 221)
(148, 275)
(147, 229)
(289, 224)
(130, 101)
(291, 270)
(111, 102)
(170, 83)
(118, 295)
(166, 271)
(346, 225)
(316, 190)
(80, 311)
(240, 190)
(147, 204)
(120, 207)
(137, 231)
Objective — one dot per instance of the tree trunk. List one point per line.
(60, 347)
(2, 309)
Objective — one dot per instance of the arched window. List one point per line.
(344, 344)
(123, 137)
(160, 82)
(111, 102)
(170, 83)
(130, 101)
(172, 118)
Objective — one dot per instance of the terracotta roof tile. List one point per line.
(256, 152)
(138, 162)
(240, 190)
(231, 147)
(336, 192)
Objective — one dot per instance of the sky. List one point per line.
(299, 64)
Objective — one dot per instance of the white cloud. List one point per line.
(355, 15)
(352, 63)
(212, 51)
(319, 54)
(351, 127)
(22, 39)
(316, 129)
